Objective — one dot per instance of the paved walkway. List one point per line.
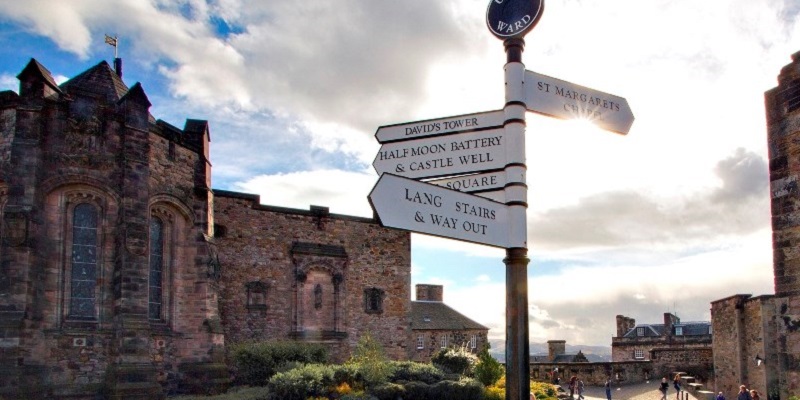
(639, 391)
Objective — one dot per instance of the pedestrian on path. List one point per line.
(743, 394)
(665, 386)
(572, 383)
(608, 388)
(580, 389)
(677, 383)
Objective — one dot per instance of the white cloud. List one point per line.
(341, 191)
(9, 82)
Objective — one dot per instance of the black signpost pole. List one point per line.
(516, 261)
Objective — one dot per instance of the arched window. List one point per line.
(156, 279)
(83, 280)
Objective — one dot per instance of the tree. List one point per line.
(488, 370)
(371, 361)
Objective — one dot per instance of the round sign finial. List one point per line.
(513, 18)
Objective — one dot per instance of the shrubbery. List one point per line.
(258, 361)
(455, 360)
(310, 380)
(488, 370)
(407, 371)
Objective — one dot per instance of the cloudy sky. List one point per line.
(665, 219)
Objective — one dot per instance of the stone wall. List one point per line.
(595, 373)
(432, 342)
(290, 253)
(726, 324)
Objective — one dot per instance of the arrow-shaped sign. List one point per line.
(440, 126)
(562, 99)
(444, 155)
(416, 206)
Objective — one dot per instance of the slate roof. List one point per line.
(99, 80)
(436, 315)
(689, 329)
(34, 67)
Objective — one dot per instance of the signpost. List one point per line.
(473, 183)
(444, 155)
(480, 195)
(440, 126)
(434, 210)
(562, 99)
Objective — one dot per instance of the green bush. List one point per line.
(406, 371)
(418, 391)
(310, 380)
(238, 393)
(488, 370)
(256, 362)
(371, 361)
(388, 391)
(456, 360)
(357, 396)
(465, 389)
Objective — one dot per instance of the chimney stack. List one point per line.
(118, 67)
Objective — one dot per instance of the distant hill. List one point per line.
(592, 353)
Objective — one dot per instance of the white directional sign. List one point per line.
(562, 99)
(473, 183)
(416, 206)
(444, 155)
(440, 126)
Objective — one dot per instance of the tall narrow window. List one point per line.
(318, 296)
(82, 298)
(155, 302)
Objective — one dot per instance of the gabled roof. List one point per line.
(38, 70)
(689, 329)
(439, 316)
(99, 80)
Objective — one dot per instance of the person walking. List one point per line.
(664, 387)
(572, 384)
(677, 383)
(608, 388)
(580, 389)
(743, 393)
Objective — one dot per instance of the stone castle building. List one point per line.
(435, 326)
(757, 339)
(123, 273)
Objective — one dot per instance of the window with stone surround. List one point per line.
(373, 300)
(473, 342)
(256, 295)
(638, 354)
(420, 342)
(156, 277)
(163, 222)
(83, 262)
(167, 251)
(443, 341)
